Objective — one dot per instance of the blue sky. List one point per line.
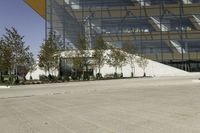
(15, 13)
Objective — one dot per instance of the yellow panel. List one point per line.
(38, 5)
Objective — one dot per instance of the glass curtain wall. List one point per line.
(167, 31)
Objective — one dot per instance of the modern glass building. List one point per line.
(167, 31)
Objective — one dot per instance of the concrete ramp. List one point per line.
(153, 69)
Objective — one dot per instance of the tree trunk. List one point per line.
(83, 74)
(48, 70)
(99, 69)
(30, 76)
(9, 79)
(144, 72)
(115, 69)
(115, 74)
(16, 71)
(132, 74)
(132, 70)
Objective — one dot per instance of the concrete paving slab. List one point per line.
(150, 105)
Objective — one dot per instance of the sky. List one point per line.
(16, 13)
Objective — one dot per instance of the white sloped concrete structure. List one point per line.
(39, 71)
(154, 69)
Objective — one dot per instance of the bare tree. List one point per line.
(77, 63)
(116, 58)
(143, 63)
(32, 66)
(99, 54)
(84, 55)
(130, 55)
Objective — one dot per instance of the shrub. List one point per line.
(109, 76)
(16, 80)
(115, 75)
(122, 75)
(31, 78)
(43, 78)
(99, 76)
(1, 79)
(54, 78)
(67, 78)
(132, 74)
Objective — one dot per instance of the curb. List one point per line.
(4, 87)
(196, 81)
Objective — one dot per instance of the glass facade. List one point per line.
(167, 31)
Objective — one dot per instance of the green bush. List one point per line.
(99, 76)
(115, 75)
(109, 76)
(54, 78)
(49, 78)
(43, 78)
(1, 79)
(16, 80)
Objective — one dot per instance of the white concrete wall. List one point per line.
(153, 69)
(38, 71)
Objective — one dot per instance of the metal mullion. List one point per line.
(161, 32)
(181, 30)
